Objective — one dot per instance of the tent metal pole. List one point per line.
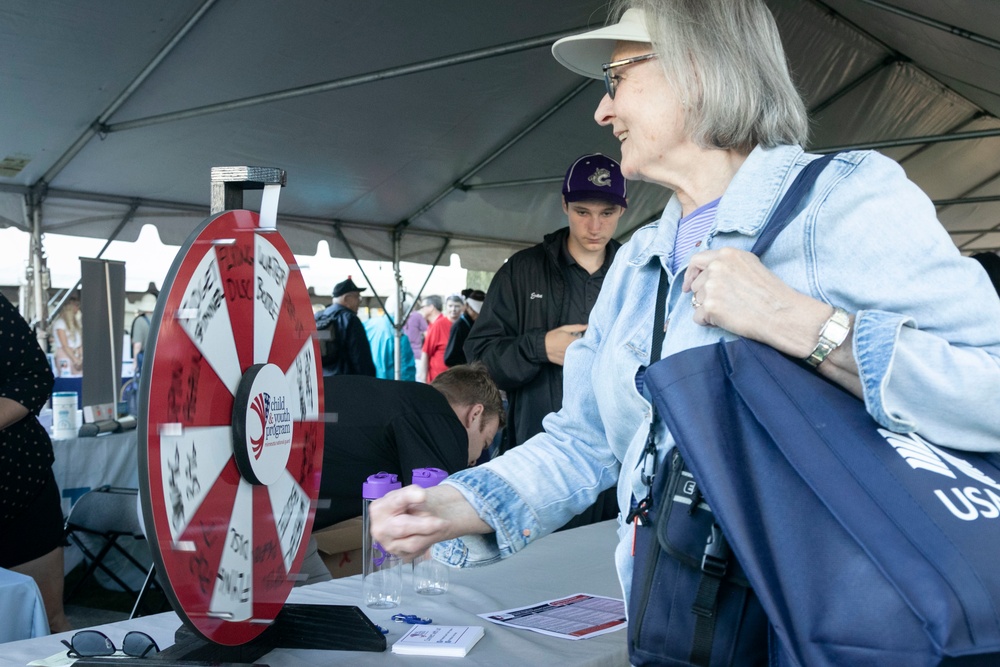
(124, 221)
(437, 259)
(512, 184)
(955, 128)
(444, 246)
(201, 209)
(350, 249)
(970, 200)
(127, 218)
(39, 316)
(926, 20)
(115, 364)
(910, 141)
(397, 326)
(346, 82)
(99, 126)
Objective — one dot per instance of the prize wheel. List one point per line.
(231, 442)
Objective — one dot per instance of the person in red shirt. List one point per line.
(435, 340)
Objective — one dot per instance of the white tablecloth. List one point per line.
(575, 561)
(83, 464)
(22, 613)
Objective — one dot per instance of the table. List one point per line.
(573, 561)
(83, 464)
(21, 608)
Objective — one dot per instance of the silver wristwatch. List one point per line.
(833, 333)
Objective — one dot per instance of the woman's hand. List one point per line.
(734, 291)
(407, 521)
(731, 289)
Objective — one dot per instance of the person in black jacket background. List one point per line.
(454, 354)
(344, 345)
(540, 300)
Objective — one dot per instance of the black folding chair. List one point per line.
(110, 515)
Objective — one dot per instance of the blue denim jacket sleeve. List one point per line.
(536, 487)
(927, 329)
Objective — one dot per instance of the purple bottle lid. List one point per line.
(428, 477)
(378, 485)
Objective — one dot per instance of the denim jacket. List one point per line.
(926, 340)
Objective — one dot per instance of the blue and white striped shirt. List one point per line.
(691, 230)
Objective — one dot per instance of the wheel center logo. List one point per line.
(263, 444)
(275, 423)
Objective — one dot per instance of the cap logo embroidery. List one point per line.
(601, 178)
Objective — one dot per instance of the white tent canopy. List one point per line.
(443, 122)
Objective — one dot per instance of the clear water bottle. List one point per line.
(382, 572)
(430, 577)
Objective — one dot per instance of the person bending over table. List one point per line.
(700, 98)
(393, 426)
(396, 427)
(31, 521)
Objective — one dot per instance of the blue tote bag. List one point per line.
(863, 546)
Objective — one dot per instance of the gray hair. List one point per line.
(433, 300)
(725, 61)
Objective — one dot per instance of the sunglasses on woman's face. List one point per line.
(95, 644)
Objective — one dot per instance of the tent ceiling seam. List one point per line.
(939, 25)
(910, 141)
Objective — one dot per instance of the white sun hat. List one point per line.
(147, 303)
(587, 52)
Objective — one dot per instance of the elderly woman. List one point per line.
(699, 95)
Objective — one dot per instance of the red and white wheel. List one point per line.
(230, 437)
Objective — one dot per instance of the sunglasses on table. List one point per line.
(96, 644)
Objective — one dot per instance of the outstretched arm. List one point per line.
(408, 521)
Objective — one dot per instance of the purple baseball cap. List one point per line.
(597, 177)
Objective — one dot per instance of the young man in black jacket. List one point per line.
(540, 300)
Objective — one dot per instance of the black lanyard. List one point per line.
(640, 512)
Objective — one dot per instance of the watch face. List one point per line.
(831, 336)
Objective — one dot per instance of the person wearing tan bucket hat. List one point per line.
(863, 284)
